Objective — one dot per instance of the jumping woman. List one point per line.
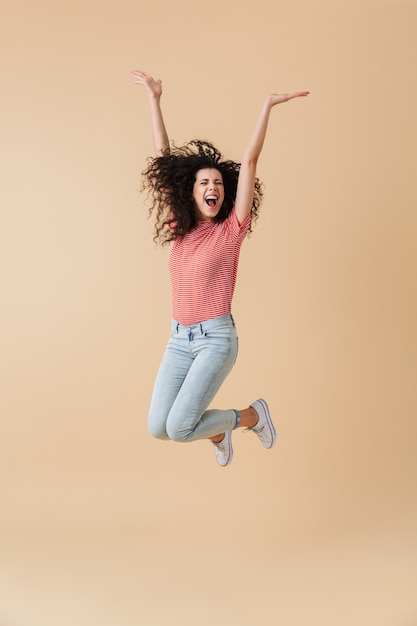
(205, 206)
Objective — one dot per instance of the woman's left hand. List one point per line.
(278, 98)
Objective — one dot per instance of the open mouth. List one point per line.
(211, 201)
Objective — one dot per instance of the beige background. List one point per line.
(102, 525)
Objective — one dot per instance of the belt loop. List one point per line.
(177, 328)
(231, 317)
(201, 328)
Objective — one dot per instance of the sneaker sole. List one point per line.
(269, 422)
(230, 457)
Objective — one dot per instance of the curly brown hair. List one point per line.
(169, 181)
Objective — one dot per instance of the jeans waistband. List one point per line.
(216, 322)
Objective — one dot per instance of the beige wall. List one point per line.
(326, 299)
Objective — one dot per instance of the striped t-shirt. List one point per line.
(203, 266)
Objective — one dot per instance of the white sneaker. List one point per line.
(224, 449)
(264, 429)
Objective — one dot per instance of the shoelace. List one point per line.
(254, 429)
(220, 444)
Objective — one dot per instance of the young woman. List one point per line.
(204, 206)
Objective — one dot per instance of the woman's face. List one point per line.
(208, 193)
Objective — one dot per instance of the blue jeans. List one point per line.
(197, 359)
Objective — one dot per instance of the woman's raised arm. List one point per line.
(246, 182)
(154, 91)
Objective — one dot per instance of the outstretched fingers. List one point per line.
(278, 98)
(298, 94)
(139, 77)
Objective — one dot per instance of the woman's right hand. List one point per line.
(154, 89)
(152, 86)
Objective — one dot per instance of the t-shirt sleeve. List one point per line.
(237, 231)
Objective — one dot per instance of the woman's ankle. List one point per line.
(217, 438)
(248, 418)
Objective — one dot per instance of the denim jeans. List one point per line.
(197, 359)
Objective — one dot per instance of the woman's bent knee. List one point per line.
(181, 435)
(157, 431)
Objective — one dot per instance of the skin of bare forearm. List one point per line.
(160, 136)
(257, 139)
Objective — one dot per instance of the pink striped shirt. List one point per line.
(203, 266)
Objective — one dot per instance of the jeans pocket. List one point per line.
(222, 332)
(223, 341)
